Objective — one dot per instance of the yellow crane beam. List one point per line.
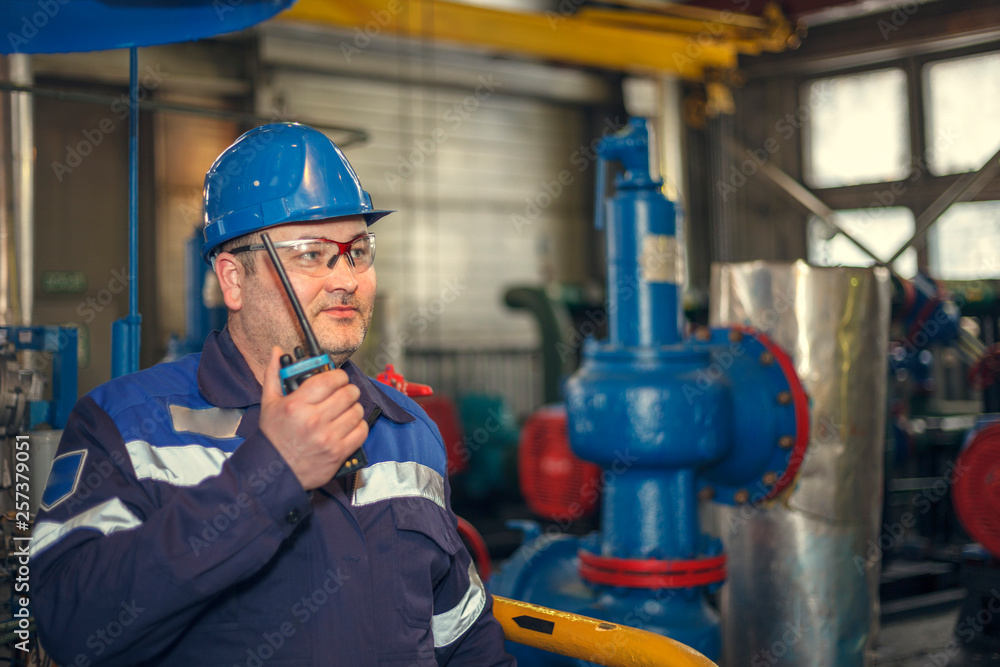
(643, 38)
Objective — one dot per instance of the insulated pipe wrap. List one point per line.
(803, 581)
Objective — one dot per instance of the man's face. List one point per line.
(339, 306)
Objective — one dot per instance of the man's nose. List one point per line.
(341, 277)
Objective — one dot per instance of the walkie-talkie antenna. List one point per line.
(314, 349)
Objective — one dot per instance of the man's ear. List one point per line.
(232, 279)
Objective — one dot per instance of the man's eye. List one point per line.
(305, 254)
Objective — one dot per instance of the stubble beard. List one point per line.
(262, 330)
(342, 339)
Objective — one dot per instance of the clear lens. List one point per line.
(317, 257)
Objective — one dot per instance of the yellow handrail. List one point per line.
(590, 639)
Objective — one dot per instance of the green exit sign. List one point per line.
(64, 282)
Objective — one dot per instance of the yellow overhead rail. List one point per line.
(641, 36)
(590, 639)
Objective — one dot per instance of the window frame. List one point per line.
(916, 192)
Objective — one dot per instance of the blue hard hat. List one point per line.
(276, 174)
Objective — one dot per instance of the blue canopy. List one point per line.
(63, 26)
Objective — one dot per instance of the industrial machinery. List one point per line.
(22, 386)
(669, 420)
(556, 484)
(976, 480)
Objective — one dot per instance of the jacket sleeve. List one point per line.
(465, 630)
(117, 575)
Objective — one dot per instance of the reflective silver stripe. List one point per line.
(213, 422)
(184, 465)
(452, 624)
(108, 517)
(398, 479)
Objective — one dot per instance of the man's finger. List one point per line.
(339, 401)
(320, 386)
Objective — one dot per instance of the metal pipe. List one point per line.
(6, 258)
(22, 131)
(590, 639)
(355, 135)
(967, 187)
(133, 186)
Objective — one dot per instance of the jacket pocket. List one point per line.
(425, 543)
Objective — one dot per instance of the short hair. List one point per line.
(247, 259)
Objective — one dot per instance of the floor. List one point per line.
(927, 641)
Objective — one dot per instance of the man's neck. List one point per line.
(256, 359)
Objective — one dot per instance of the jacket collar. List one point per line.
(225, 379)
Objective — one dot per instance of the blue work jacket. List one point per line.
(172, 532)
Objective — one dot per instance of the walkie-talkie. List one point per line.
(294, 373)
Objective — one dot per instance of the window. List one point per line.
(883, 230)
(857, 130)
(963, 112)
(967, 242)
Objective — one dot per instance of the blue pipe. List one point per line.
(133, 185)
(125, 332)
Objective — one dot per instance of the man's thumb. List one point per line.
(272, 382)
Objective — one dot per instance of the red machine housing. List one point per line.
(555, 483)
(976, 486)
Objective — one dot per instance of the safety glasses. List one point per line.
(317, 257)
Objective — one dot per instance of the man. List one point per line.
(193, 516)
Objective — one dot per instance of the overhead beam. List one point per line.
(656, 47)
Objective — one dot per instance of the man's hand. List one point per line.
(317, 426)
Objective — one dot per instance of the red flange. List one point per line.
(800, 402)
(651, 573)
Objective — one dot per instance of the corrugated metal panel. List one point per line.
(458, 165)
